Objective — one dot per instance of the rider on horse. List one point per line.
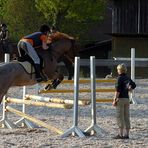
(30, 43)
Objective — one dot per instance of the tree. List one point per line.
(2, 3)
(72, 16)
(22, 17)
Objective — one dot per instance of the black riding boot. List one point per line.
(39, 76)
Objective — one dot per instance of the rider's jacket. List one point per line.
(35, 39)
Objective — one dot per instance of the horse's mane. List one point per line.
(59, 35)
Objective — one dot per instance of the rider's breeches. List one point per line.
(27, 47)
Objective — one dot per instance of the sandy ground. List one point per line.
(62, 119)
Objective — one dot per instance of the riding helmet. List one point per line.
(44, 28)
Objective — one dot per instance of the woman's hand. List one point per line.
(115, 100)
(130, 88)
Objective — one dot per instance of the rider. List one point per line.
(30, 43)
(4, 37)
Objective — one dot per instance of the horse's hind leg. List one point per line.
(55, 81)
(3, 92)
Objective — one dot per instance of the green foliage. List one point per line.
(73, 16)
(88, 10)
(80, 10)
(2, 4)
(22, 17)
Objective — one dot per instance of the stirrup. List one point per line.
(39, 79)
(42, 78)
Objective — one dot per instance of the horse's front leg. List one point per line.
(57, 79)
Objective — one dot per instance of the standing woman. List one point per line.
(123, 86)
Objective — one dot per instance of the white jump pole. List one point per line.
(7, 58)
(133, 73)
(74, 129)
(93, 127)
(24, 121)
(5, 122)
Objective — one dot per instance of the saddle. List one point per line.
(27, 63)
(28, 67)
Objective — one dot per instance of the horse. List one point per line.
(14, 74)
(13, 51)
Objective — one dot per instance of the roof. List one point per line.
(96, 45)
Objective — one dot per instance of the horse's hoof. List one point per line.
(48, 87)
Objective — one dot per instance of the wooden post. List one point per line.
(32, 119)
